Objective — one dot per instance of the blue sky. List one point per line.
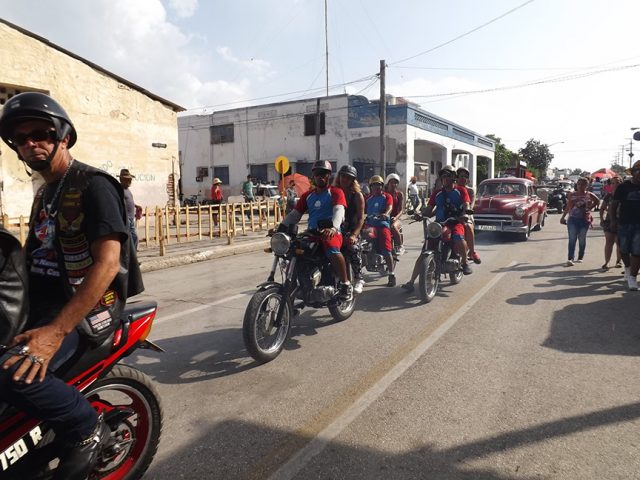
(219, 55)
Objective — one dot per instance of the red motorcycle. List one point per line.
(125, 396)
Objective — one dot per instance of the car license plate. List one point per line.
(486, 227)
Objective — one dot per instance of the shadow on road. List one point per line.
(606, 327)
(240, 450)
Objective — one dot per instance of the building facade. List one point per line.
(119, 124)
(232, 144)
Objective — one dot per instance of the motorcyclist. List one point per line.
(462, 180)
(445, 201)
(392, 182)
(325, 203)
(80, 264)
(353, 221)
(378, 206)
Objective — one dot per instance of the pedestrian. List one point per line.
(247, 190)
(216, 198)
(624, 215)
(81, 267)
(133, 210)
(611, 236)
(413, 193)
(291, 195)
(578, 208)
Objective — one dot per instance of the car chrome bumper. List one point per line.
(500, 227)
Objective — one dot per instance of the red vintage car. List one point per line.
(509, 205)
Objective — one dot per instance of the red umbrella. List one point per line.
(302, 183)
(603, 173)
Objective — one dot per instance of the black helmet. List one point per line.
(349, 171)
(322, 165)
(448, 169)
(463, 170)
(35, 106)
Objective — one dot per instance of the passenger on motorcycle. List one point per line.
(378, 209)
(463, 179)
(78, 254)
(325, 203)
(393, 180)
(353, 221)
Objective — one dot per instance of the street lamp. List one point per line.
(556, 143)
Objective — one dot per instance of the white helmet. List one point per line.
(393, 176)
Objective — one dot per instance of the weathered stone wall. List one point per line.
(116, 124)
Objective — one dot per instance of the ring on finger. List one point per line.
(24, 351)
(35, 359)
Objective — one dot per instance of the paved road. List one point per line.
(526, 370)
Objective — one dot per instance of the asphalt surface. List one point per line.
(527, 369)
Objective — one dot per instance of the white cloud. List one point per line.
(259, 67)
(183, 8)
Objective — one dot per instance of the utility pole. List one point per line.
(383, 120)
(317, 129)
(326, 45)
(630, 152)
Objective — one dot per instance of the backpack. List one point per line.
(14, 305)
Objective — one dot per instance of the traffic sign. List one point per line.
(282, 164)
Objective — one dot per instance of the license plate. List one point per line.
(486, 227)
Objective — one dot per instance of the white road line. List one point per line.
(315, 446)
(173, 316)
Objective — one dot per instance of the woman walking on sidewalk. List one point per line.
(611, 236)
(579, 209)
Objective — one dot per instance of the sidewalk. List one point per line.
(199, 251)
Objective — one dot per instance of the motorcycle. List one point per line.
(306, 280)
(438, 257)
(558, 200)
(125, 396)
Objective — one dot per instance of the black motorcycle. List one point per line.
(307, 280)
(437, 256)
(557, 200)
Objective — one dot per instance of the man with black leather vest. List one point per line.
(78, 252)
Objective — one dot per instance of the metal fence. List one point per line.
(161, 226)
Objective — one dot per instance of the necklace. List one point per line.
(49, 210)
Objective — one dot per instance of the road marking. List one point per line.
(296, 463)
(200, 307)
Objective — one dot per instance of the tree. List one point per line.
(503, 158)
(537, 156)
(616, 167)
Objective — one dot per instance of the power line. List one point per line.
(464, 34)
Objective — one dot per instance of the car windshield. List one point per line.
(502, 188)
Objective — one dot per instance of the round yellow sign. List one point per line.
(282, 164)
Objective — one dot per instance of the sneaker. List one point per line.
(401, 251)
(605, 268)
(409, 287)
(579, 260)
(346, 292)
(569, 263)
(633, 283)
(627, 272)
(618, 264)
(466, 269)
(392, 281)
(476, 258)
(358, 286)
(80, 458)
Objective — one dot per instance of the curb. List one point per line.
(202, 256)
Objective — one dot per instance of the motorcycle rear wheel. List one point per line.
(428, 279)
(456, 277)
(262, 338)
(138, 435)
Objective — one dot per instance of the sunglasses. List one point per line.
(20, 139)
(321, 173)
(377, 185)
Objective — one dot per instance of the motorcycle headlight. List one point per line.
(280, 243)
(519, 211)
(434, 230)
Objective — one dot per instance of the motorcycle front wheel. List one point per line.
(263, 338)
(135, 436)
(456, 277)
(428, 279)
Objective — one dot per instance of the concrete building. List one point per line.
(118, 122)
(232, 144)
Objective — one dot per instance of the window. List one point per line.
(259, 172)
(221, 133)
(222, 173)
(304, 168)
(310, 124)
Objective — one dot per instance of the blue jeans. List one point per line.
(578, 228)
(69, 414)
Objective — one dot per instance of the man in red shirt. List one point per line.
(325, 204)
